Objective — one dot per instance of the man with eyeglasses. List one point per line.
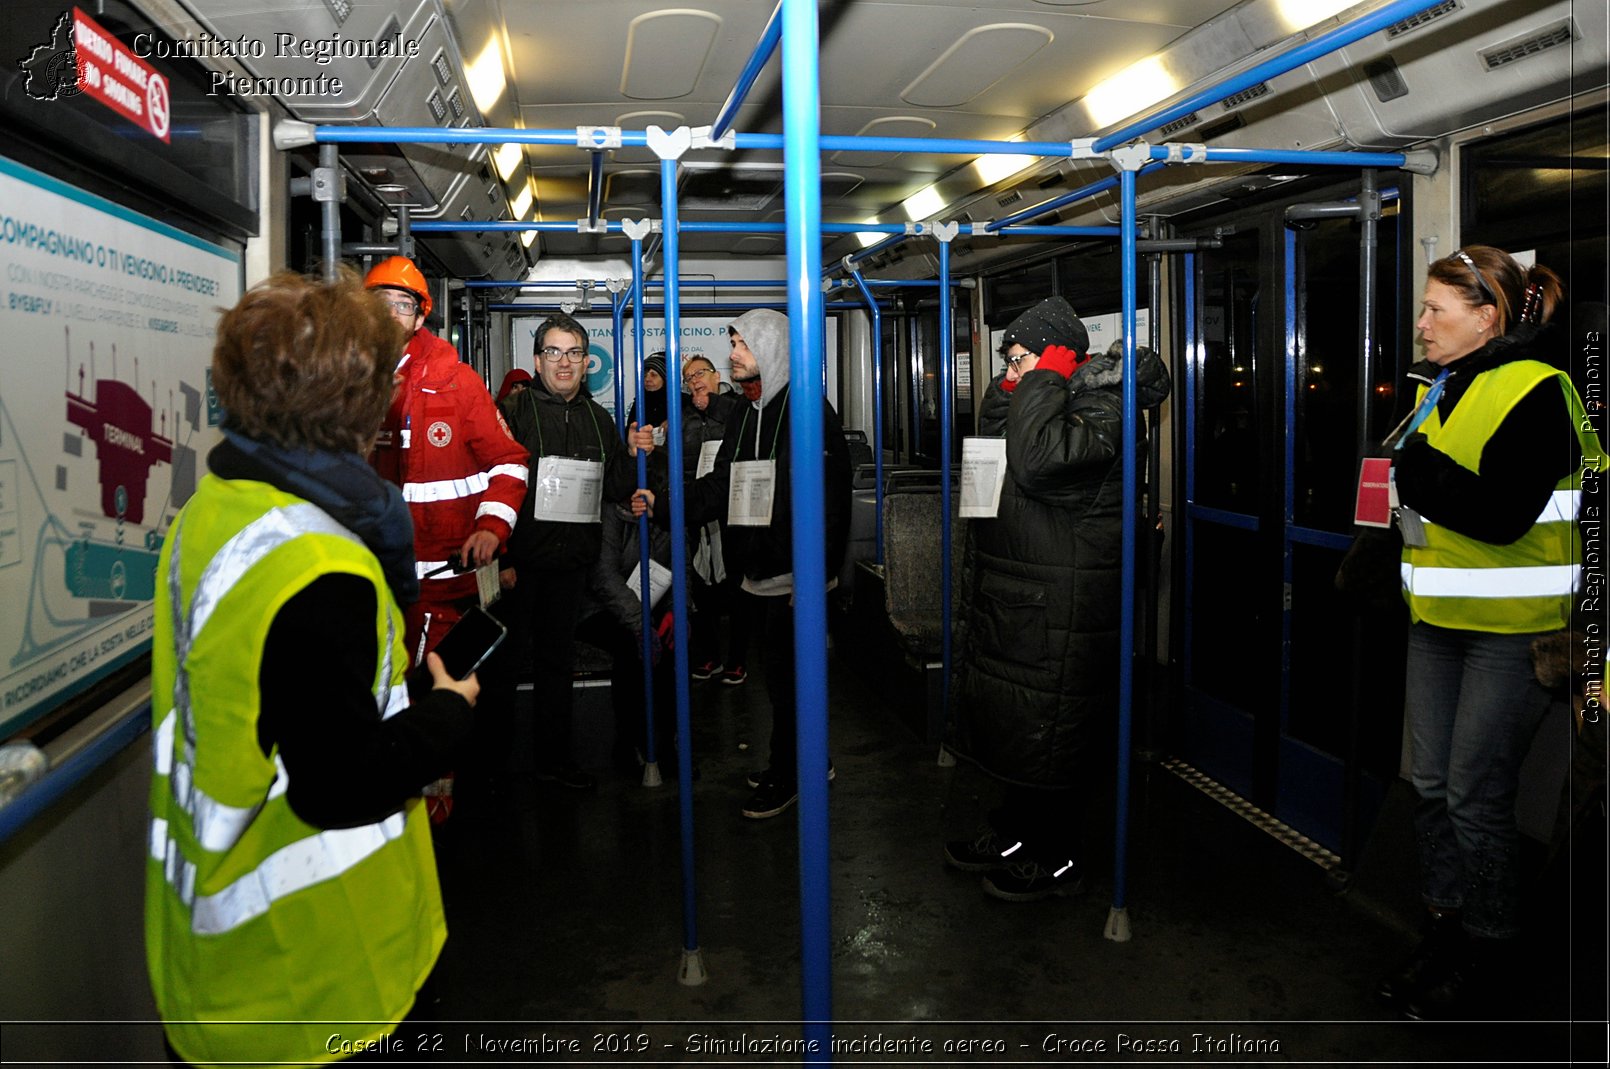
(461, 472)
(443, 441)
(580, 467)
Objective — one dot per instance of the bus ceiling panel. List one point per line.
(1462, 63)
(329, 62)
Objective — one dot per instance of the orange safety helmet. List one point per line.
(399, 272)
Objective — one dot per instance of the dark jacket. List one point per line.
(1529, 452)
(607, 590)
(766, 552)
(579, 428)
(1037, 635)
(707, 426)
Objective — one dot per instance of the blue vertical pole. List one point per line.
(679, 556)
(802, 193)
(646, 652)
(617, 313)
(947, 346)
(877, 408)
(1126, 623)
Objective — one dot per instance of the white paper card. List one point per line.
(569, 490)
(486, 583)
(983, 475)
(659, 581)
(707, 458)
(750, 492)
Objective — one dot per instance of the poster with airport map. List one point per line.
(106, 325)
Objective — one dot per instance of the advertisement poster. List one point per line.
(107, 318)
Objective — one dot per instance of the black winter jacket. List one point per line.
(1037, 638)
(766, 552)
(580, 428)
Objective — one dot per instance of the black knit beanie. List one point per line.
(1051, 322)
(655, 362)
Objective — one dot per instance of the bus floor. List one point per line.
(566, 933)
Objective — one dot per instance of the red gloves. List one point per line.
(1062, 360)
(1008, 385)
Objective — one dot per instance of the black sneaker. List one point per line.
(770, 799)
(1026, 881)
(704, 671)
(988, 852)
(566, 776)
(755, 779)
(733, 676)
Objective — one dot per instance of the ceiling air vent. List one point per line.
(1414, 22)
(1516, 49)
(1251, 92)
(1385, 79)
(438, 106)
(1222, 127)
(1181, 123)
(340, 10)
(443, 68)
(1006, 200)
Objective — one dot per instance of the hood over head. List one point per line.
(765, 331)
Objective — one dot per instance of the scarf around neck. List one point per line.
(343, 485)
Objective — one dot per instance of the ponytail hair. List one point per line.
(1481, 274)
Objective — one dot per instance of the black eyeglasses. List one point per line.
(554, 354)
(401, 305)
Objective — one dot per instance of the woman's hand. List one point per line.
(469, 687)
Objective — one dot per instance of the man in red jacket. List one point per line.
(446, 445)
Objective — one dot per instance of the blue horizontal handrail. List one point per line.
(44, 793)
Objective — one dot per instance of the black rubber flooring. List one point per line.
(566, 918)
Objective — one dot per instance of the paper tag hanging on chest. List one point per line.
(983, 475)
(749, 493)
(707, 458)
(568, 490)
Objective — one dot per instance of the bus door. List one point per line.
(1282, 689)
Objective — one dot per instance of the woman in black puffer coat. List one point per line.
(1037, 638)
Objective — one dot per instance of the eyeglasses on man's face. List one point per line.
(553, 354)
(697, 373)
(1013, 361)
(401, 306)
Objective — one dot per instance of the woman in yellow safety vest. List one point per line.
(292, 908)
(1489, 473)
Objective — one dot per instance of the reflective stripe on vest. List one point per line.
(216, 825)
(1544, 581)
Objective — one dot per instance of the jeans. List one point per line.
(1473, 705)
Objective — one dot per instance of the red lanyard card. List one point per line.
(1373, 505)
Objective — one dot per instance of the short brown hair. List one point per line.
(557, 321)
(306, 364)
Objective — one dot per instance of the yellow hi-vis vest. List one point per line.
(268, 939)
(1464, 583)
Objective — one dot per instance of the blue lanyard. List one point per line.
(1421, 414)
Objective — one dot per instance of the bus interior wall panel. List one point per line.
(1474, 64)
